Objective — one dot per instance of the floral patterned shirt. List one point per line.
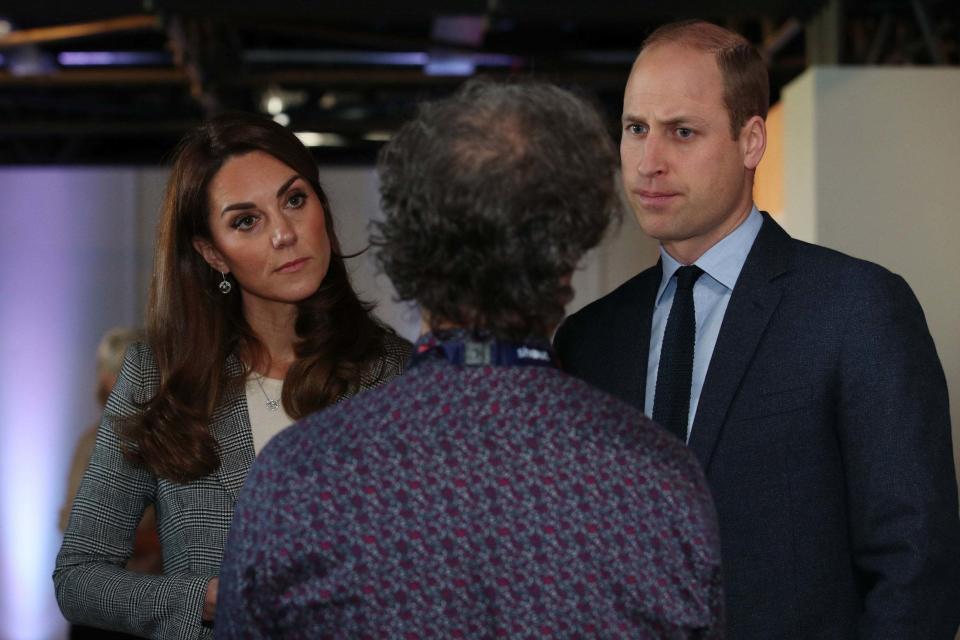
(473, 502)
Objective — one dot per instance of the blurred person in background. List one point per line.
(252, 323)
(484, 493)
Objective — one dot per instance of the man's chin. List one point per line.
(659, 225)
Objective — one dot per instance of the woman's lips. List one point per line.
(292, 266)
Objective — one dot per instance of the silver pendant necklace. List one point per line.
(272, 405)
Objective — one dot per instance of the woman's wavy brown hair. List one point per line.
(193, 329)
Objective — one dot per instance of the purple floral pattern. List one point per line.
(473, 502)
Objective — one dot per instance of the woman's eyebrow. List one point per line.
(250, 205)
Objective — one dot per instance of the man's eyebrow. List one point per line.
(672, 121)
(682, 119)
(250, 205)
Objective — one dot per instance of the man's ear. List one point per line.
(753, 141)
(210, 254)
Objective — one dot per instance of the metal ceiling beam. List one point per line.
(48, 128)
(779, 38)
(369, 78)
(879, 39)
(96, 77)
(825, 35)
(61, 33)
(923, 21)
(348, 37)
(209, 53)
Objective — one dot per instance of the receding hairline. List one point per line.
(697, 34)
(743, 72)
(681, 44)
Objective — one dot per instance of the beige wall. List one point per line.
(872, 168)
(768, 183)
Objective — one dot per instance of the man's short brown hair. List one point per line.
(745, 81)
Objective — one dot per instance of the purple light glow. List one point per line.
(458, 64)
(33, 376)
(111, 58)
(450, 66)
(68, 251)
(335, 57)
(456, 61)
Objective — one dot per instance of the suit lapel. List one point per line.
(230, 425)
(628, 360)
(754, 299)
(644, 320)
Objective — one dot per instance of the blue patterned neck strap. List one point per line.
(465, 349)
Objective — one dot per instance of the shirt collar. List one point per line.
(724, 260)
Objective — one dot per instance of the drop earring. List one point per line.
(225, 286)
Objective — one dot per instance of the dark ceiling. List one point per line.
(119, 82)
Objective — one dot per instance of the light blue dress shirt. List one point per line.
(721, 266)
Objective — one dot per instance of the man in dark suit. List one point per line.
(809, 385)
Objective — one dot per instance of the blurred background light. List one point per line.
(111, 58)
(317, 139)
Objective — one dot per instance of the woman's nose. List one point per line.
(284, 234)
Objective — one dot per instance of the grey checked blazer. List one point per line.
(92, 586)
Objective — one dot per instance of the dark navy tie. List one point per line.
(671, 405)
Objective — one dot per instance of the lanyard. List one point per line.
(463, 350)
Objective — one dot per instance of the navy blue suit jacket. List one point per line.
(824, 431)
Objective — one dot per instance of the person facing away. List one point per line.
(252, 323)
(484, 493)
(806, 381)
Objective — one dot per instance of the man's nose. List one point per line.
(652, 161)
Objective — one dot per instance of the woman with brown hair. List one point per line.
(252, 324)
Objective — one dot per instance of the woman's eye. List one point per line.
(297, 200)
(244, 222)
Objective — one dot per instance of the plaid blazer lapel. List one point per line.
(230, 426)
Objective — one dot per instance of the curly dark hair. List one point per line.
(491, 197)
